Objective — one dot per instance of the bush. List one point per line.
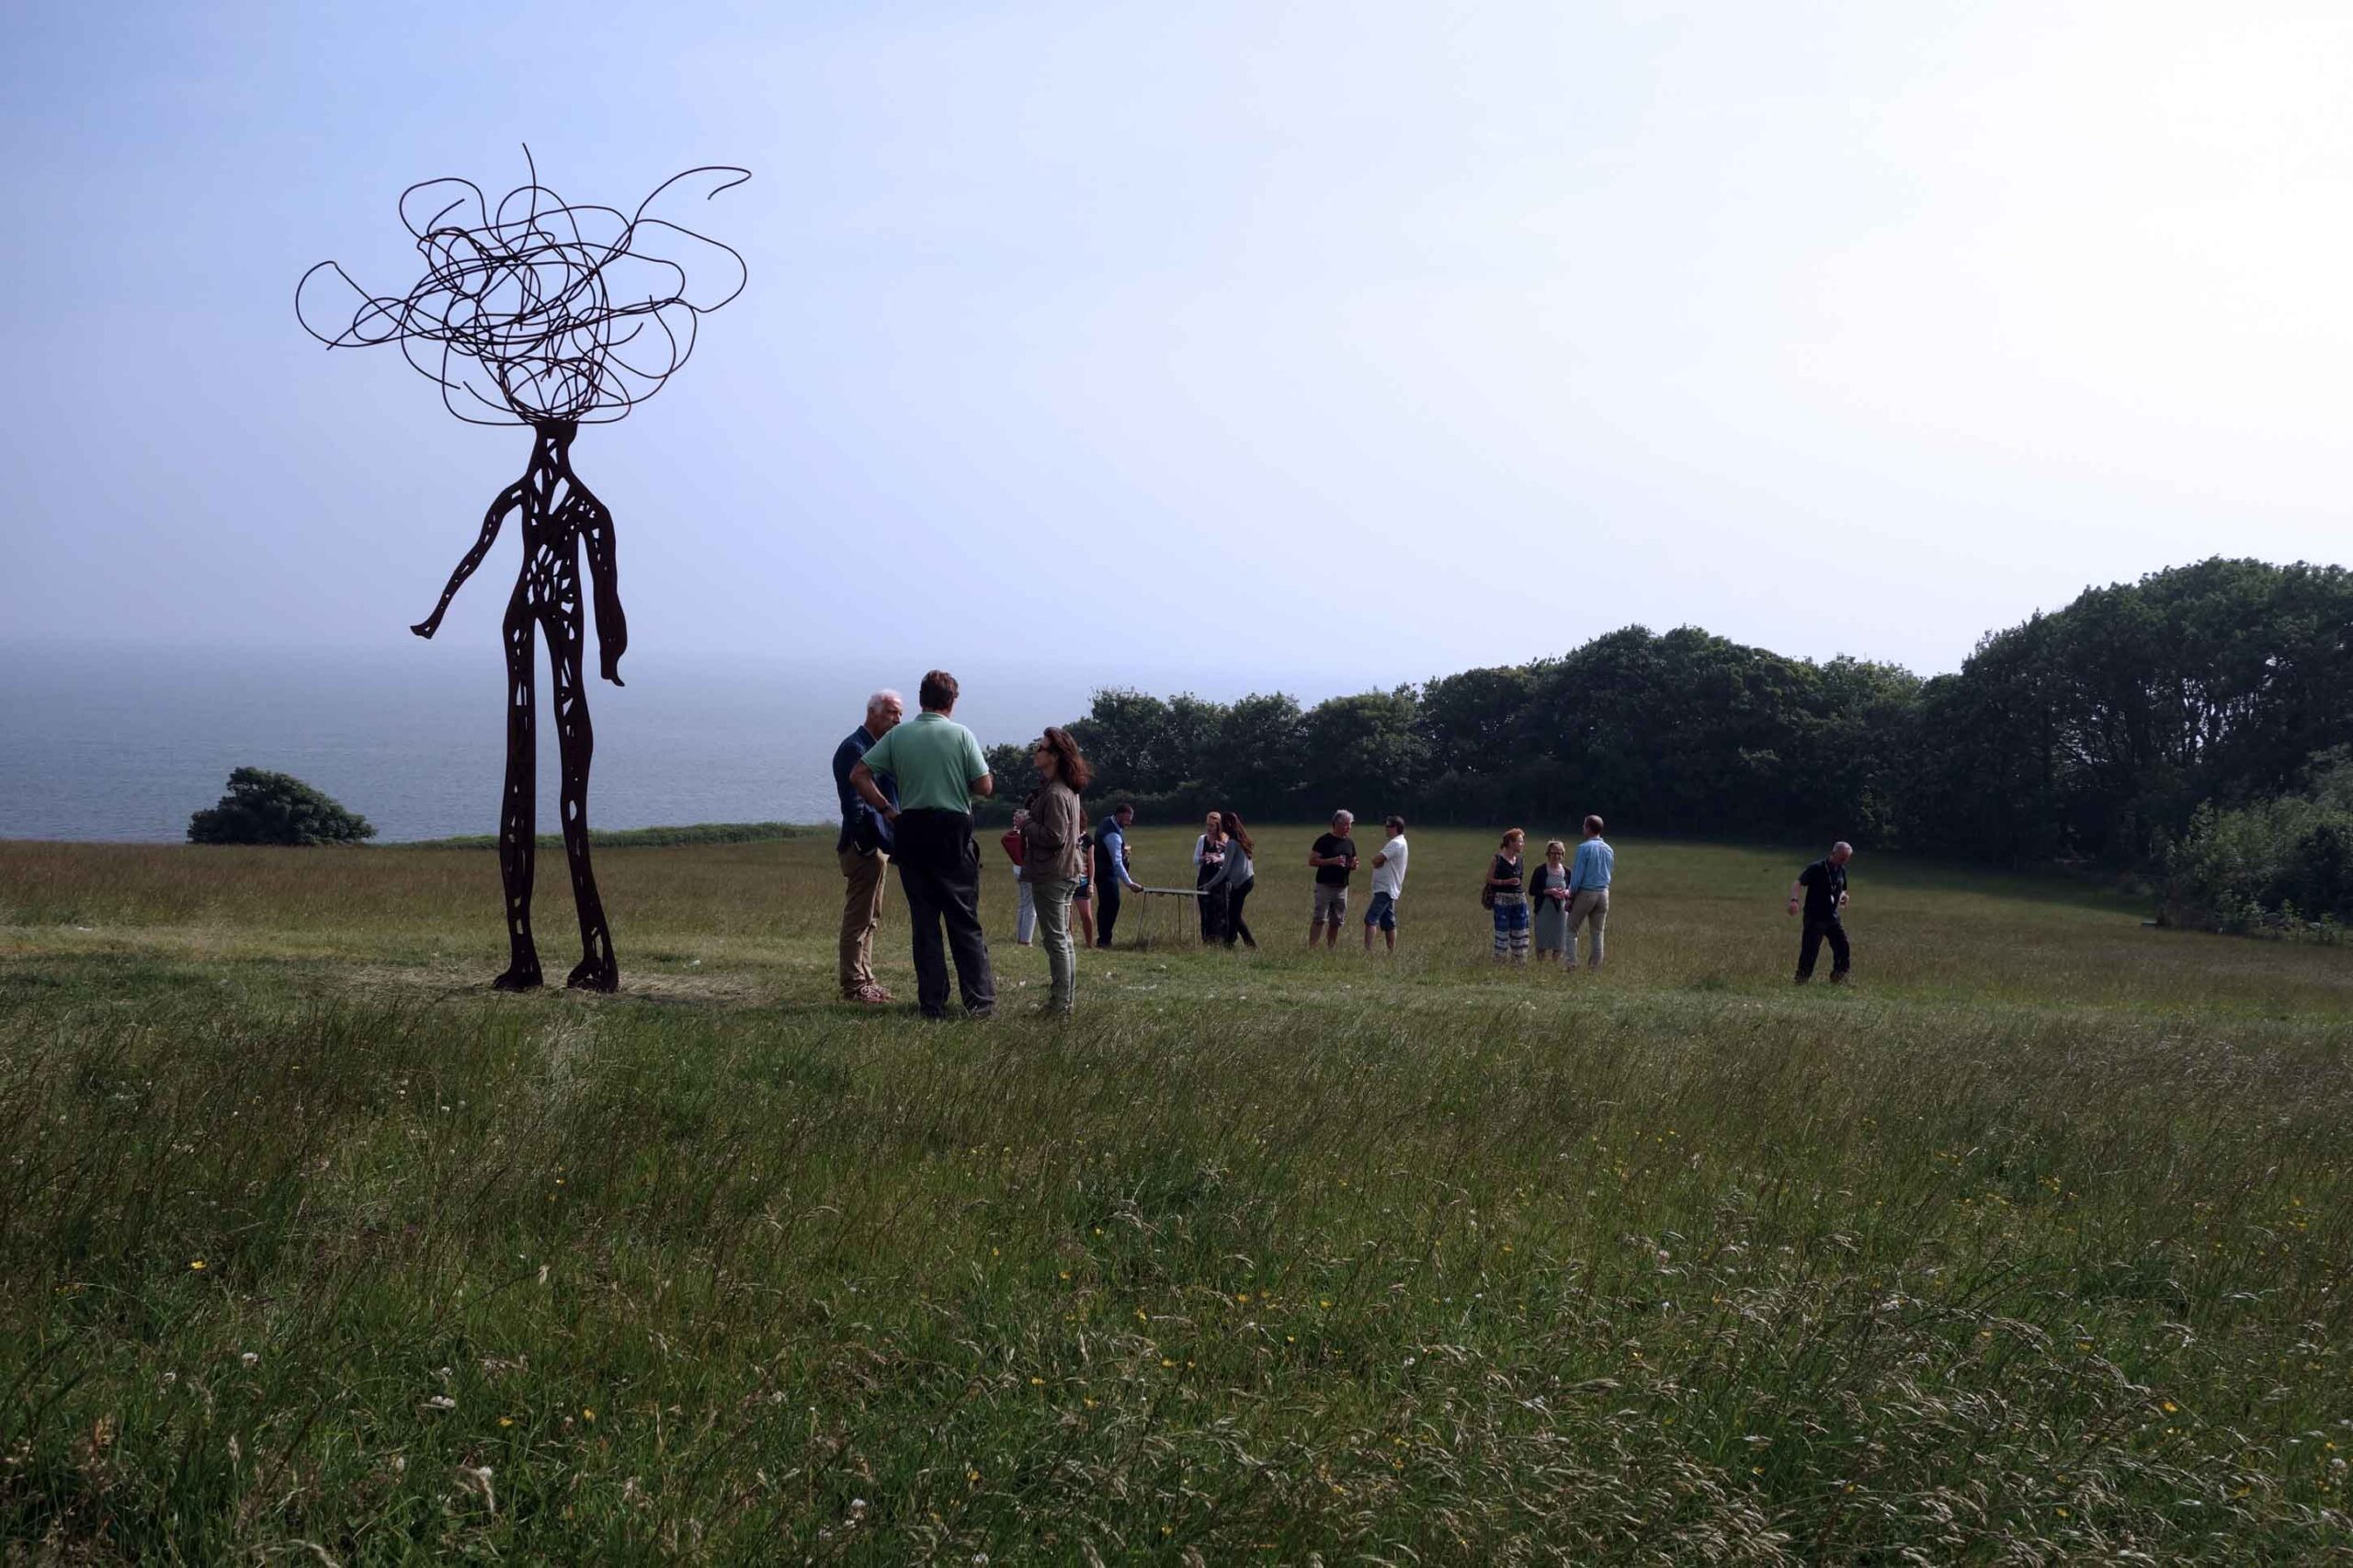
(2283, 866)
(262, 807)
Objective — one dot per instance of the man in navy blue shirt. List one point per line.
(1111, 870)
(864, 850)
(1820, 888)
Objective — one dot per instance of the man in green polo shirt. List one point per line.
(938, 767)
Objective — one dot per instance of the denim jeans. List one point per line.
(1236, 927)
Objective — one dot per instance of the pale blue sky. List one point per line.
(1298, 344)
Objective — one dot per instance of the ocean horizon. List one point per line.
(122, 744)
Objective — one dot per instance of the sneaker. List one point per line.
(870, 996)
(981, 1015)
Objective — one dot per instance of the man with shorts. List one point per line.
(1333, 860)
(1388, 886)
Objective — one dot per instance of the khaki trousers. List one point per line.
(1052, 900)
(1593, 905)
(861, 915)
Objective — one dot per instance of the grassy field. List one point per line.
(2033, 1245)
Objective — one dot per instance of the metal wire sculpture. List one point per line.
(572, 315)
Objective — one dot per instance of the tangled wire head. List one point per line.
(535, 310)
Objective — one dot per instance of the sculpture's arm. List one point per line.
(612, 626)
(508, 499)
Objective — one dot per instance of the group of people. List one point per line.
(1550, 903)
(907, 793)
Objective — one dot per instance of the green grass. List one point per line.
(2033, 1245)
(639, 837)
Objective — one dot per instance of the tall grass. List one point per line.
(2034, 1247)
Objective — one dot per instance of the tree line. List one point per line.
(2091, 735)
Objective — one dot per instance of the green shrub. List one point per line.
(262, 807)
(2283, 867)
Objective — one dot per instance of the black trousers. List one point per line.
(1234, 924)
(1108, 887)
(1816, 933)
(1213, 903)
(939, 871)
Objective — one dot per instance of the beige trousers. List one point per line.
(861, 915)
(1590, 906)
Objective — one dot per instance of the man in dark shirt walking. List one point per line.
(1821, 889)
(864, 851)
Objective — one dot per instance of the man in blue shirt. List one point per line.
(864, 851)
(1111, 870)
(1589, 893)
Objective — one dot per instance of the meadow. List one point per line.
(2030, 1247)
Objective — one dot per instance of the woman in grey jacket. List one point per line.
(1235, 879)
(1050, 824)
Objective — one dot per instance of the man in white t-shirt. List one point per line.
(1388, 886)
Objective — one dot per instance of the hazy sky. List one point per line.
(1297, 344)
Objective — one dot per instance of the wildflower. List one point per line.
(250, 1358)
(197, 1264)
(507, 1421)
(440, 1401)
(588, 1413)
(1037, 1382)
(2171, 1407)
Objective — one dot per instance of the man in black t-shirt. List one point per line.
(1821, 890)
(1334, 858)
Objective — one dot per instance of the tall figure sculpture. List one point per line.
(539, 312)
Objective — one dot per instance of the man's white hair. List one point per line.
(1338, 815)
(883, 699)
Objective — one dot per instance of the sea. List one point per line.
(125, 743)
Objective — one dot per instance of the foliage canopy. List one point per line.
(262, 807)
